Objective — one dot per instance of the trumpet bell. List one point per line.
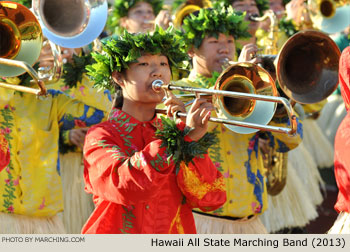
(246, 78)
(20, 37)
(307, 66)
(71, 24)
(330, 16)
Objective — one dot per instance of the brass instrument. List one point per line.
(271, 47)
(71, 24)
(187, 8)
(276, 167)
(330, 16)
(21, 40)
(26, 67)
(21, 37)
(244, 98)
(275, 163)
(307, 67)
(307, 72)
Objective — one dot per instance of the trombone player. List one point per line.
(235, 155)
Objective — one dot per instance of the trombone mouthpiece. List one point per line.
(253, 17)
(149, 22)
(157, 85)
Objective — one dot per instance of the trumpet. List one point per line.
(239, 101)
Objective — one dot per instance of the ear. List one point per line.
(118, 78)
(124, 22)
(191, 52)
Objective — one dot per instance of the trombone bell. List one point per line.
(237, 107)
(245, 78)
(20, 37)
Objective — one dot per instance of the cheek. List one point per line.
(135, 21)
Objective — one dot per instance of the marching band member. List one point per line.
(142, 180)
(30, 186)
(137, 16)
(341, 151)
(235, 155)
(295, 206)
(78, 205)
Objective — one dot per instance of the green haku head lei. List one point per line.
(121, 8)
(26, 3)
(118, 53)
(262, 5)
(211, 22)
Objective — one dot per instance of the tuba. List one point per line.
(307, 72)
(330, 16)
(187, 8)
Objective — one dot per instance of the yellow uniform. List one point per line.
(30, 185)
(238, 158)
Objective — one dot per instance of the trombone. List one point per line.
(252, 113)
(24, 65)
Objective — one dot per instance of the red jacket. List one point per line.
(135, 189)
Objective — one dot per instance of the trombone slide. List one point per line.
(24, 65)
(157, 85)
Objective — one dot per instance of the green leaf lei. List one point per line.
(118, 52)
(26, 3)
(287, 26)
(262, 5)
(73, 72)
(121, 8)
(211, 22)
(177, 148)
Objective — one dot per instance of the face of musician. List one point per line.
(139, 18)
(136, 81)
(211, 54)
(251, 8)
